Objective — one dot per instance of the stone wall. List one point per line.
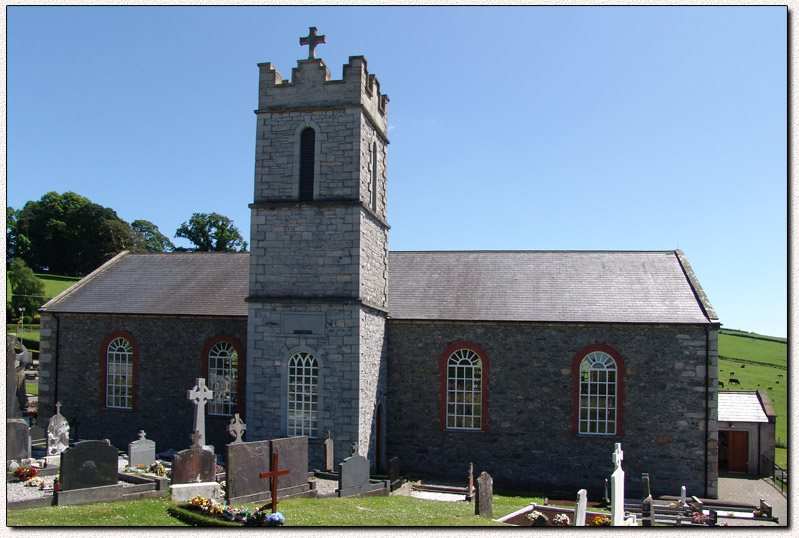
(168, 362)
(528, 438)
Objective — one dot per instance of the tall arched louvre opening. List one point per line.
(307, 158)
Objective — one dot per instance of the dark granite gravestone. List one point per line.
(195, 464)
(244, 462)
(353, 476)
(141, 452)
(88, 464)
(293, 452)
(330, 462)
(247, 461)
(38, 439)
(393, 469)
(483, 498)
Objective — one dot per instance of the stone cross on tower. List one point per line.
(312, 40)
(199, 395)
(236, 428)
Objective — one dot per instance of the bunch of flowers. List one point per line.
(35, 482)
(699, 517)
(157, 468)
(262, 517)
(236, 514)
(208, 506)
(599, 521)
(561, 520)
(538, 518)
(26, 472)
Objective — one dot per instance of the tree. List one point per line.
(212, 233)
(149, 239)
(68, 234)
(27, 290)
(17, 245)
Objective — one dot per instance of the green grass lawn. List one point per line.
(330, 512)
(757, 364)
(53, 284)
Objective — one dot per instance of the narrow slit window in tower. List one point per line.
(307, 158)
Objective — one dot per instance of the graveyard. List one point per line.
(269, 483)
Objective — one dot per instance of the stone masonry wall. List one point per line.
(168, 362)
(528, 437)
(305, 252)
(336, 351)
(373, 275)
(372, 381)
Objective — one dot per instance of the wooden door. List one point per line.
(739, 451)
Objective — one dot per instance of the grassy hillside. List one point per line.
(53, 284)
(758, 363)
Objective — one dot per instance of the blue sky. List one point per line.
(511, 128)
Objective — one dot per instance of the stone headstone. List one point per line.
(236, 428)
(484, 495)
(647, 513)
(88, 464)
(353, 471)
(38, 437)
(617, 518)
(293, 452)
(141, 452)
(57, 433)
(580, 508)
(195, 464)
(243, 463)
(393, 469)
(683, 496)
(12, 379)
(18, 441)
(330, 462)
(199, 396)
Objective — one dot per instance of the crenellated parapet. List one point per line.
(310, 87)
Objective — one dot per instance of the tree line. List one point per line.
(67, 234)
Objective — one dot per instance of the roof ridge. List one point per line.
(704, 302)
(531, 251)
(83, 281)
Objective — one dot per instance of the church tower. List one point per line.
(318, 290)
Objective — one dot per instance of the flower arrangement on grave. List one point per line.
(157, 468)
(207, 506)
(699, 517)
(538, 518)
(757, 513)
(262, 517)
(35, 482)
(232, 513)
(26, 472)
(561, 520)
(599, 521)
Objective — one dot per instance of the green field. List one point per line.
(758, 362)
(53, 284)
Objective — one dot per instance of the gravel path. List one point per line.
(18, 491)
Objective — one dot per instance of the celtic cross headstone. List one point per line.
(199, 396)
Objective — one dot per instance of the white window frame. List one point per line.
(119, 374)
(303, 395)
(464, 391)
(598, 398)
(223, 378)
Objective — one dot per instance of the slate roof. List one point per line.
(740, 407)
(190, 283)
(545, 286)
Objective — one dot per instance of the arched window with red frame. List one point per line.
(598, 391)
(118, 361)
(463, 392)
(223, 367)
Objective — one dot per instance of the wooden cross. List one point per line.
(199, 395)
(312, 40)
(236, 428)
(273, 474)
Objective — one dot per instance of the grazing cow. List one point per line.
(779, 375)
(721, 384)
(771, 388)
(777, 382)
(743, 366)
(733, 381)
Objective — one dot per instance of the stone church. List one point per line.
(530, 364)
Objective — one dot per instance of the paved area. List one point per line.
(745, 489)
